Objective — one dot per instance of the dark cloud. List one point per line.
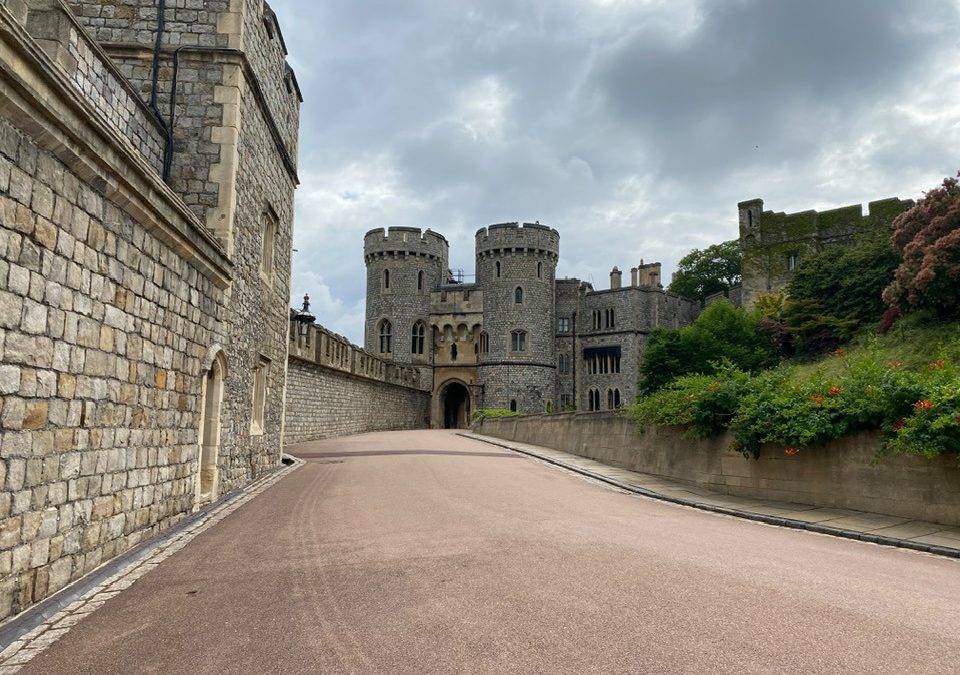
(633, 126)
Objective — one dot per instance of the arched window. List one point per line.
(518, 296)
(453, 352)
(609, 399)
(420, 280)
(513, 405)
(549, 407)
(749, 218)
(484, 343)
(386, 336)
(616, 398)
(417, 337)
(518, 341)
(498, 269)
(539, 270)
(386, 279)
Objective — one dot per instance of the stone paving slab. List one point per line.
(878, 528)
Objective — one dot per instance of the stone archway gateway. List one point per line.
(455, 402)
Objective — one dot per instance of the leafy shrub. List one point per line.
(722, 333)
(932, 427)
(707, 403)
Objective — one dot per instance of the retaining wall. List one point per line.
(842, 474)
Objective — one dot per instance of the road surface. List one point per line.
(425, 552)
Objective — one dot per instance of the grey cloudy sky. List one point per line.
(631, 126)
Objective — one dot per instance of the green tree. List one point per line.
(712, 270)
(928, 236)
(848, 282)
(722, 334)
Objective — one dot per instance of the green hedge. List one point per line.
(917, 409)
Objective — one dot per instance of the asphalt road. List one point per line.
(425, 552)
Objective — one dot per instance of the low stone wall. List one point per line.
(323, 402)
(842, 474)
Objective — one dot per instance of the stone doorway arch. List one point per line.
(455, 405)
(212, 398)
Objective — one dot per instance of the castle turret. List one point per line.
(516, 267)
(404, 264)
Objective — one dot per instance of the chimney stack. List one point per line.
(616, 277)
(633, 277)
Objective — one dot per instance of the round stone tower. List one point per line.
(516, 266)
(404, 264)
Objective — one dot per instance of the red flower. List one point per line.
(840, 352)
(923, 405)
(899, 425)
(939, 364)
(835, 391)
(896, 364)
(817, 398)
(790, 451)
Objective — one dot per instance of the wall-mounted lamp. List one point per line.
(304, 318)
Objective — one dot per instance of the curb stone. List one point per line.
(778, 521)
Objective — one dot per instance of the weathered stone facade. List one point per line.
(143, 340)
(335, 388)
(518, 338)
(773, 244)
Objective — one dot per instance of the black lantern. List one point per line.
(304, 318)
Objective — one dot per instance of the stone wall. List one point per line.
(842, 474)
(111, 295)
(335, 388)
(132, 337)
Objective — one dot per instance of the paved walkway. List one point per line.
(871, 527)
(426, 552)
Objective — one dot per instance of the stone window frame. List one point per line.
(596, 319)
(563, 365)
(513, 405)
(385, 336)
(609, 318)
(268, 242)
(518, 295)
(518, 341)
(539, 270)
(563, 324)
(484, 342)
(259, 394)
(418, 338)
(793, 259)
(420, 280)
(497, 268)
(385, 279)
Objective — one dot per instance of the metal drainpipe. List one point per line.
(154, 85)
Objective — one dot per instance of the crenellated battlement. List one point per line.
(404, 241)
(527, 237)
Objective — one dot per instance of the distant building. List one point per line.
(775, 244)
(518, 338)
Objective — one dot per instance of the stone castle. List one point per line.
(149, 362)
(147, 172)
(518, 339)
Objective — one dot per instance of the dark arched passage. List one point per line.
(456, 406)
